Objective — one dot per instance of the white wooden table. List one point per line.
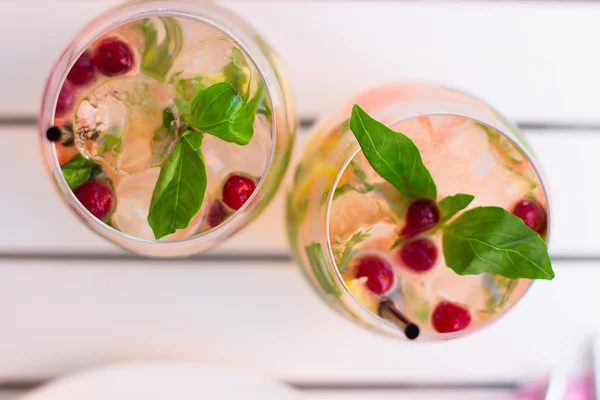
(69, 300)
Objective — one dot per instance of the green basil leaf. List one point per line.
(490, 239)
(163, 137)
(158, 58)
(450, 205)
(186, 90)
(235, 72)
(181, 186)
(168, 119)
(218, 110)
(393, 156)
(77, 171)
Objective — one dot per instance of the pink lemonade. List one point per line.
(377, 247)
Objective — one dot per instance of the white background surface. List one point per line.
(535, 61)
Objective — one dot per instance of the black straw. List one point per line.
(388, 311)
(62, 135)
(53, 134)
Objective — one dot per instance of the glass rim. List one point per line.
(231, 26)
(373, 321)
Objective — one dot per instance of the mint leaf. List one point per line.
(393, 156)
(220, 111)
(450, 205)
(77, 171)
(158, 58)
(180, 189)
(490, 239)
(316, 259)
(235, 73)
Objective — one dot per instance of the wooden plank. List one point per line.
(510, 53)
(373, 395)
(39, 222)
(10, 394)
(62, 316)
(413, 395)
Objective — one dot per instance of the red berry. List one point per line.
(450, 317)
(421, 216)
(83, 70)
(379, 273)
(532, 213)
(65, 101)
(113, 57)
(236, 190)
(97, 197)
(419, 255)
(217, 213)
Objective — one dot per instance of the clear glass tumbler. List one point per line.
(167, 126)
(344, 221)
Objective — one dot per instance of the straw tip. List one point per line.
(53, 134)
(412, 331)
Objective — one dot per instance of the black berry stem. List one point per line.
(388, 311)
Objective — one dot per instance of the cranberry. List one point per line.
(236, 190)
(450, 317)
(83, 70)
(97, 197)
(65, 101)
(113, 57)
(379, 273)
(532, 213)
(217, 213)
(421, 216)
(419, 255)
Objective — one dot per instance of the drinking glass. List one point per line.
(145, 121)
(343, 218)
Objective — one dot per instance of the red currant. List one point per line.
(421, 216)
(450, 317)
(237, 190)
(216, 214)
(83, 71)
(419, 255)
(65, 101)
(532, 213)
(97, 197)
(379, 273)
(113, 57)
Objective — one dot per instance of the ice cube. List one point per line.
(223, 158)
(203, 57)
(117, 121)
(484, 292)
(414, 301)
(354, 211)
(134, 194)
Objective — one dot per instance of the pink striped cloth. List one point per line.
(577, 389)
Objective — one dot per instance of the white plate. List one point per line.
(163, 381)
